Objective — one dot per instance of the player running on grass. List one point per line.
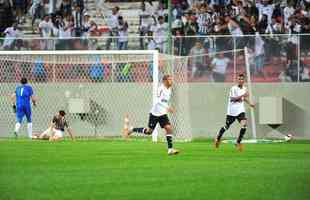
(22, 106)
(235, 110)
(158, 114)
(56, 131)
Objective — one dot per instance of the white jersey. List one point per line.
(160, 31)
(265, 10)
(220, 65)
(235, 108)
(161, 105)
(146, 18)
(46, 28)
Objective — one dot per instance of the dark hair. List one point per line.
(160, 17)
(241, 75)
(165, 77)
(23, 80)
(62, 112)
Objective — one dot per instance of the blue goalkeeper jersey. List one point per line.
(23, 94)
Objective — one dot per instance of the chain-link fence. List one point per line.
(110, 85)
(274, 58)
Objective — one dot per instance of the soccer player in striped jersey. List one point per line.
(56, 131)
(22, 106)
(158, 114)
(236, 110)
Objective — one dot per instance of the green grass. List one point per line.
(104, 170)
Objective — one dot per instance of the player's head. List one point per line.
(198, 44)
(241, 79)
(161, 19)
(120, 18)
(62, 113)
(23, 81)
(167, 80)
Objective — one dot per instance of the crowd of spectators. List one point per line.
(60, 19)
(267, 27)
(232, 24)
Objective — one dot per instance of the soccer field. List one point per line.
(139, 169)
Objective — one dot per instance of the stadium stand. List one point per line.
(219, 24)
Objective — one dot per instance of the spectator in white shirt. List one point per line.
(160, 31)
(265, 8)
(151, 44)
(197, 60)
(46, 27)
(11, 33)
(36, 11)
(219, 65)
(122, 43)
(113, 26)
(288, 12)
(259, 54)
(86, 24)
(46, 30)
(145, 22)
(161, 11)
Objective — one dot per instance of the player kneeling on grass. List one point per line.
(56, 131)
(158, 114)
(235, 110)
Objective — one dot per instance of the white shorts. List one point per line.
(47, 132)
(58, 133)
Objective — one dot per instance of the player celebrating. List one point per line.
(235, 110)
(158, 114)
(22, 106)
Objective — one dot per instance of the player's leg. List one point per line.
(29, 121)
(58, 135)
(46, 134)
(229, 121)
(165, 123)
(243, 122)
(19, 118)
(127, 131)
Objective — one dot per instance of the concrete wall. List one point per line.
(201, 107)
(208, 103)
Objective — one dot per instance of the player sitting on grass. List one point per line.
(57, 129)
(235, 110)
(158, 114)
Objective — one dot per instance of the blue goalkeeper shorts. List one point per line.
(23, 111)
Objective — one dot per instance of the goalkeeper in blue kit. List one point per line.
(22, 105)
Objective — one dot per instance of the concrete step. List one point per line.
(128, 10)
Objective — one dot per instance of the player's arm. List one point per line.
(34, 100)
(170, 109)
(239, 98)
(71, 133)
(69, 130)
(235, 98)
(13, 101)
(249, 102)
(52, 125)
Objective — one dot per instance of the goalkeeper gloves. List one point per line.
(14, 108)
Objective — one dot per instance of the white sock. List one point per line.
(29, 128)
(17, 127)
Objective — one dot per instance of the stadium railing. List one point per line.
(285, 58)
